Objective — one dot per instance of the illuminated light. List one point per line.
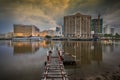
(19, 34)
(92, 47)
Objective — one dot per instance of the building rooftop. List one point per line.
(77, 14)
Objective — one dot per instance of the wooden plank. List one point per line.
(54, 69)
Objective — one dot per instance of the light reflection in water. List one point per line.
(28, 47)
(25, 47)
(93, 58)
(84, 52)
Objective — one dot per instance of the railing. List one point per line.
(54, 68)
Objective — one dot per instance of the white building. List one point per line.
(3, 36)
(109, 30)
(51, 33)
(6, 35)
(9, 35)
(58, 31)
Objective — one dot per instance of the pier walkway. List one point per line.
(54, 68)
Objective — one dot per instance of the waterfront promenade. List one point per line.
(54, 68)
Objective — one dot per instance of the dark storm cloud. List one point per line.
(49, 13)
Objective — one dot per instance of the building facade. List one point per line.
(58, 31)
(109, 30)
(95, 27)
(6, 35)
(3, 36)
(9, 34)
(25, 30)
(47, 33)
(77, 26)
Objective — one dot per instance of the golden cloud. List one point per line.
(43, 14)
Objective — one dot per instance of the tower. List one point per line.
(98, 24)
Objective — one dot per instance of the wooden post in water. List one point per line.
(48, 58)
(61, 55)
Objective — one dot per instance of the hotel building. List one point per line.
(25, 30)
(97, 25)
(77, 26)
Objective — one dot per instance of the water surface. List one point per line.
(25, 60)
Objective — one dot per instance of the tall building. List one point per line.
(59, 31)
(112, 31)
(97, 25)
(109, 30)
(77, 26)
(25, 30)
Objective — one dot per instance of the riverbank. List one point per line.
(77, 73)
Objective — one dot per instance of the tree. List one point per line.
(108, 35)
(117, 35)
(47, 36)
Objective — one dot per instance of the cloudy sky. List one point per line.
(47, 14)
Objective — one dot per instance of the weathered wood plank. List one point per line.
(54, 69)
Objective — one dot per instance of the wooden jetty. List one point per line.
(54, 68)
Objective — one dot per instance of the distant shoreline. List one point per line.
(66, 39)
(6, 39)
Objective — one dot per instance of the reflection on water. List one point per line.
(26, 66)
(28, 47)
(93, 58)
(25, 47)
(84, 52)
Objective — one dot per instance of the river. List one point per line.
(25, 60)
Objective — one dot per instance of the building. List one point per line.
(10, 35)
(6, 35)
(3, 36)
(43, 33)
(47, 33)
(109, 30)
(113, 31)
(25, 30)
(51, 33)
(77, 26)
(58, 31)
(106, 30)
(97, 25)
